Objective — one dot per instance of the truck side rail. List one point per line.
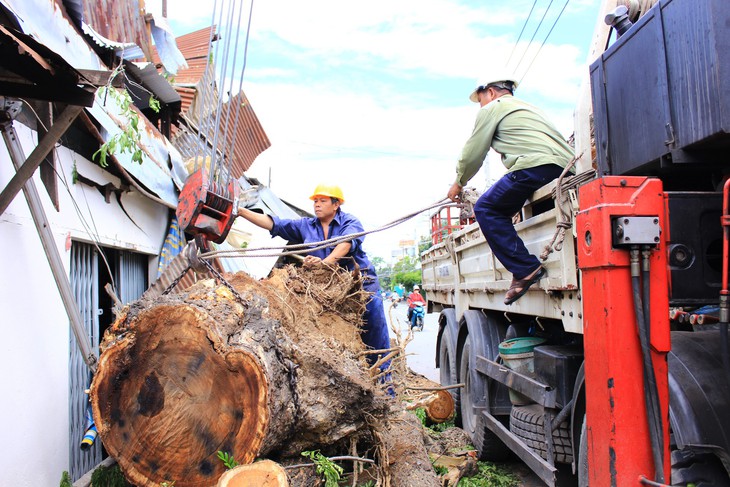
(462, 271)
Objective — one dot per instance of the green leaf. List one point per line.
(154, 104)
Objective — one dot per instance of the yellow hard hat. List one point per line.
(328, 190)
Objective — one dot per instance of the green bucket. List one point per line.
(518, 355)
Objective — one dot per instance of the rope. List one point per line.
(565, 216)
(304, 248)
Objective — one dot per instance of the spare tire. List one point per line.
(528, 423)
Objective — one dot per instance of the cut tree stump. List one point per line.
(258, 474)
(268, 370)
(438, 405)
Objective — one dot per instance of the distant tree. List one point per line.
(424, 244)
(407, 271)
(383, 270)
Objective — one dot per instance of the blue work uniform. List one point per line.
(304, 230)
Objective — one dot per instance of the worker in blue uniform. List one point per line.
(329, 222)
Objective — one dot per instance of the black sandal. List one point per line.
(523, 285)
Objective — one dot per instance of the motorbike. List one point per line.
(417, 314)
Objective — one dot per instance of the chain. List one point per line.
(223, 281)
(291, 368)
(176, 281)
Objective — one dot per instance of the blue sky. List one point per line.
(374, 96)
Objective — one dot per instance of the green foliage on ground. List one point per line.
(109, 477)
(325, 467)
(490, 475)
(65, 480)
(437, 427)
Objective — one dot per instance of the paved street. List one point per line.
(423, 345)
(422, 360)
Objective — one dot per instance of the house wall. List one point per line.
(34, 329)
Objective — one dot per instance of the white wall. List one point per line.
(34, 329)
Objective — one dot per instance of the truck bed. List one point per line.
(462, 272)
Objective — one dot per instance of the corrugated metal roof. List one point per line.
(151, 79)
(187, 95)
(120, 22)
(49, 25)
(124, 50)
(248, 141)
(157, 152)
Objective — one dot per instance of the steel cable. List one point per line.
(311, 246)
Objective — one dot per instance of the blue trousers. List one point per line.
(375, 334)
(494, 211)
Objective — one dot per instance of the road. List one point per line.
(422, 359)
(422, 349)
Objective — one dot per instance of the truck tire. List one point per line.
(488, 445)
(447, 370)
(699, 469)
(582, 468)
(527, 423)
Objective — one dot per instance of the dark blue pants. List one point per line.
(494, 211)
(375, 334)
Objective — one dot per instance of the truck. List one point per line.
(613, 370)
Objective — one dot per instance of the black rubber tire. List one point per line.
(488, 445)
(447, 371)
(527, 422)
(582, 467)
(699, 469)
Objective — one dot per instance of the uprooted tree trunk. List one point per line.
(261, 368)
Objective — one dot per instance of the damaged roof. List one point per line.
(245, 135)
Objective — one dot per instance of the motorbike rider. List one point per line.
(415, 299)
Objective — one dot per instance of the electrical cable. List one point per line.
(533, 36)
(519, 37)
(545, 40)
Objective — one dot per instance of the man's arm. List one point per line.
(341, 250)
(258, 219)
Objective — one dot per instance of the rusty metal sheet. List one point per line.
(48, 23)
(120, 22)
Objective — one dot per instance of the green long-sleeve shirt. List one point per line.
(519, 132)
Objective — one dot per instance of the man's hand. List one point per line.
(311, 260)
(454, 193)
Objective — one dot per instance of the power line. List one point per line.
(533, 35)
(521, 32)
(545, 40)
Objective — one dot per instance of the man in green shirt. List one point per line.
(534, 153)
